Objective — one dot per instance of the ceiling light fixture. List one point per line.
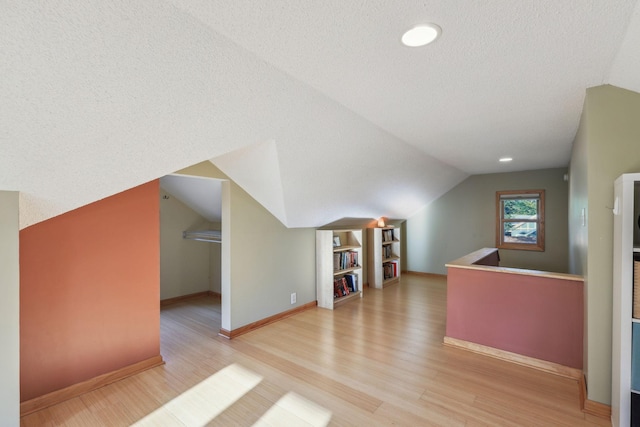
(505, 159)
(421, 35)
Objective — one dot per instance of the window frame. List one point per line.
(500, 221)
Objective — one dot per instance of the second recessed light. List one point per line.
(421, 35)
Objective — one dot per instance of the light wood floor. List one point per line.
(374, 361)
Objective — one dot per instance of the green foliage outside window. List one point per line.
(520, 208)
(520, 219)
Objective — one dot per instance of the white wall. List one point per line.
(9, 310)
(185, 265)
(464, 220)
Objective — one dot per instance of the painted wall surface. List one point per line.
(267, 261)
(463, 220)
(184, 264)
(578, 201)
(533, 316)
(89, 291)
(578, 218)
(215, 260)
(9, 310)
(610, 135)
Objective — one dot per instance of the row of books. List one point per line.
(390, 270)
(344, 260)
(386, 252)
(345, 285)
(387, 235)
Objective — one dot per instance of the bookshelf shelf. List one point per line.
(339, 301)
(345, 248)
(338, 268)
(384, 256)
(346, 270)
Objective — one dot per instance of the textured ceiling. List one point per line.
(313, 107)
(625, 71)
(505, 78)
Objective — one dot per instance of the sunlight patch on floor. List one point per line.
(206, 400)
(294, 410)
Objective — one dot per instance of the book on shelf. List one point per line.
(387, 270)
(390, 270)
(340, 288)
(345, 260)
(387, 235)
(352, 282)
(386, 252)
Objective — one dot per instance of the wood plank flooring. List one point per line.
(376, 361)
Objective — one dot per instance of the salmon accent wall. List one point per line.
(538, 317)
(89, 291)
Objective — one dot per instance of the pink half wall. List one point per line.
(538, 317)
(89, 291)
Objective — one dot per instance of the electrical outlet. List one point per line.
(293, 298)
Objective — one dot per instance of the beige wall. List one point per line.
(215, 259)
(578, 230)
(463, 220)
(578, 218)
(9, 310)
(185, 265)
(606, 146)
(263, 261)
(268, 262)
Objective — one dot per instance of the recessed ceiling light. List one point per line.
(505, 159)
(421, 35)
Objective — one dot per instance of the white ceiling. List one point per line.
(202, 195)
(314, 108)
(505, 78)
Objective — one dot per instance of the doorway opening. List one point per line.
(191, 230)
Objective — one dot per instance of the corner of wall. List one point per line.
(9, 309)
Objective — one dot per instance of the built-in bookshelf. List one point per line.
(338, 267)
(625, 381)
(383, 261)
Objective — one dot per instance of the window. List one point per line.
(520, 220)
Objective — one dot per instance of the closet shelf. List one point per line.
(213, 236)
